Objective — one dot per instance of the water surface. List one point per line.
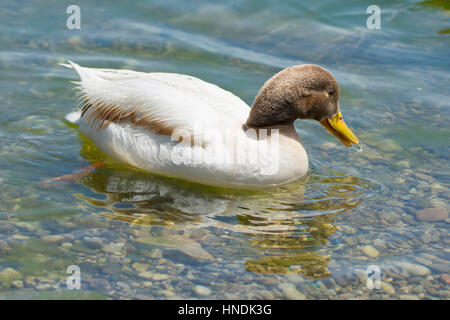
(140, 236)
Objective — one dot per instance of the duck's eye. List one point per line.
(330, 93)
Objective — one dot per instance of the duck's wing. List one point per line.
(160, 102)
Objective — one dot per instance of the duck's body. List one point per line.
(140, 118)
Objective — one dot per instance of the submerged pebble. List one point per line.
(24, 226)
(440, 267)
(432, 214)
(370, 251)
(140, 267)
(445, 278)
(202, 291)
(413, 269)
(387, 287)
(328, 146)
(53, 239)
(8, 275)
(17, 284)
(291, 293)
(390, 217)
(43, 286)
(93, 242)
(114, 248)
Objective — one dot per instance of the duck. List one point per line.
(182, 127)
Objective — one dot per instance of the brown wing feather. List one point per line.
(102, 114)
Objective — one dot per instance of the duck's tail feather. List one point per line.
(74, 117)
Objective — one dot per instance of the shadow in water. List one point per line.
(283, 227)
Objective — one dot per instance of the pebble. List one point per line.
(144, 297)
(349, 240)
(43, 286)
(408, 297)
(202, 290)
(388, 288)
(9, 274)
(167, 293)
(269, 281)
(17, 284)
(53, 239)
(20, 237)
(266, 295)
(341, 278)
(426, 237)
(379, 244)
(24, 226)
(4, 245)
(403, 163)
(291, 293)
(111, 269)
(440, 267)
(93, 242)
(153, 276)
(67, 245)
(140, 267)
(146, 274)
(99, 284)
(445, 278)
(422, 261)
(114, 248)
(361, 275)
(159, 277)
(437, 187)
(155, 253)
(328, 146)
(75, 40)
(414, 269)
(390, 217)
(438, 203)
(424, 177)
(370, 251)
(123, 286)
(432, 214)
(294, 278)
(389, 145)
(89, 221)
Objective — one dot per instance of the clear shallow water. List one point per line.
(137, 235)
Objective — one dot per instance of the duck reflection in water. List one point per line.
(282, 228)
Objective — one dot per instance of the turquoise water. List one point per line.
(139, 236)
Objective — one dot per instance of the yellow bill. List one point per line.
(338, 128)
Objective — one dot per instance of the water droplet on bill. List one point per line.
(357, 147)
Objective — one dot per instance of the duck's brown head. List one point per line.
(301, 92)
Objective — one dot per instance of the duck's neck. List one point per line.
(286, 129)
(267, 111)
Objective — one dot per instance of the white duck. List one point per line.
(180, 126)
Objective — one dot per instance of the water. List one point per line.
(139, 236)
